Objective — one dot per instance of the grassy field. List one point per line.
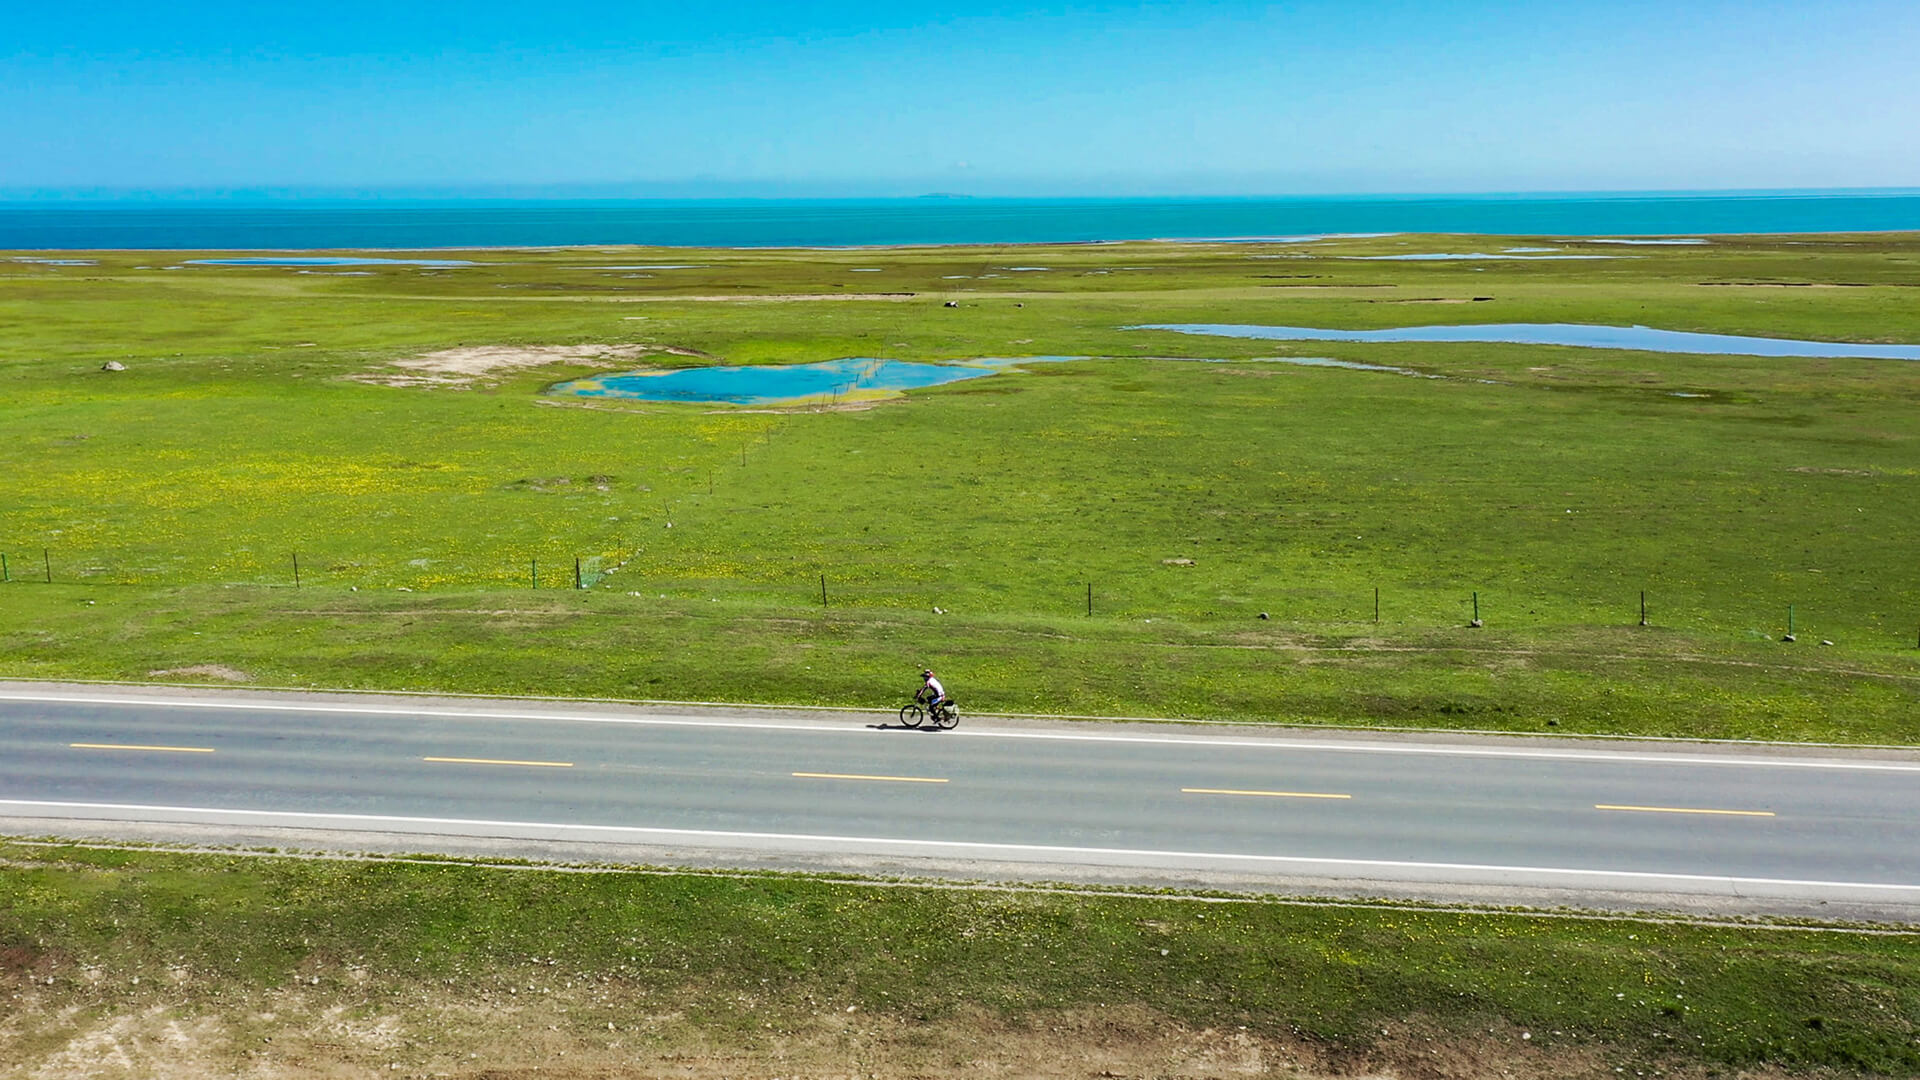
(962, 527)
(291, 967)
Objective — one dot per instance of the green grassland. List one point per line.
(92, 934)
(961, 526)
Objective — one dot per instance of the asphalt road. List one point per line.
(1719, 827)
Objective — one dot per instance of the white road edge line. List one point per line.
(968, 846)
(1275, 743)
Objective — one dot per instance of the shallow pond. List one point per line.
(1641, 338)
(853, 379)
(327, 260)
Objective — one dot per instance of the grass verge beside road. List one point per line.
(1581, 680)
(414, 964)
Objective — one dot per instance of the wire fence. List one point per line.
(627, 571)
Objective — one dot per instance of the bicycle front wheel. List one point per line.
(911, 715)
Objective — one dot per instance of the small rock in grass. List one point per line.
(113, 365)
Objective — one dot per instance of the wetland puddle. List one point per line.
(827, 382)
(1639, 338)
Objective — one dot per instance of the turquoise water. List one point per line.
(786, 384)
(400, 224)
(1642, 338)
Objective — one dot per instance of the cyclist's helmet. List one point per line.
(927, 674)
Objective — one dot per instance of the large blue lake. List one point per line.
(1641, 338)
(376, 223)
(853, 379)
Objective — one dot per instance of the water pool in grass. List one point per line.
(1640, 338)
(826, 382)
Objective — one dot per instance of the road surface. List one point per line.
(1510, 820)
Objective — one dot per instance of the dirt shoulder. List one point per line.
(148, 963)
(581, 1033)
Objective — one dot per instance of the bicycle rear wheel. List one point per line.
(949, 717)
(911, 714)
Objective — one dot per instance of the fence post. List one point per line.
(1789, 636)
(576, 572)
(534, 564)
(296, 569)
(1643, 607)
(46, 560)
(1476, 610)
(5, 574)
(1376, 603)
(1089, 599)
(823, 590)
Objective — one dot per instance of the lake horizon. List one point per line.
(414, 224)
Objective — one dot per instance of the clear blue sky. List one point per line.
(843, 98)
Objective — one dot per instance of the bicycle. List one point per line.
(944, 716)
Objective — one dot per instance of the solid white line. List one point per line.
(1046, 736)
(972, 847)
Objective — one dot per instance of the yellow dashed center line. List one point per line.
(498, 761)
(1263, 794)
(1684, 810)
(153, 749)
(862, 776)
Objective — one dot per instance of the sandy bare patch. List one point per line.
(610, 1033)
(472, 365)
(202, 671)
(477, 360)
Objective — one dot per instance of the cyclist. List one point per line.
(931, 692)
